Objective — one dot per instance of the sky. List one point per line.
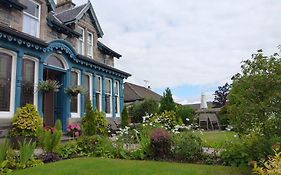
(190, 46)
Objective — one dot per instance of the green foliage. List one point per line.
(187, 147)
(160, 143)
(106, 149)
(89, 122)
(271, 166)
(25, 122)
(48, 86)
(165, 120)
(185, 114)
(68, 150)
(143, 108)
(124, 118)
(3, 150)
(49, 139)
(167, 102)
(223, 117)
(255, 96)
(26, 151)
(94, 122)
(87, 145)
(252, 147)
(74, 90)
(221, 96)
(4, 167)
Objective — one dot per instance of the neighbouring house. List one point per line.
(41, 40)
(135, 93)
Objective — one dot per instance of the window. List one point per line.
(31, 18)
(90, 45)
(98, 92)
(108, 96)
(55, 61)
(28, 80)
(116, 98)
(80, 41)
(75, 100)
(5, 81)
(87, 86)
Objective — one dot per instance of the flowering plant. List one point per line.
(73, 130)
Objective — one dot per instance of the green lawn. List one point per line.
(97, 166)
(216, 139)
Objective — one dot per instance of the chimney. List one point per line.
(64, 5)
(203, 104)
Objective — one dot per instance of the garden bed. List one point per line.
(95, 166)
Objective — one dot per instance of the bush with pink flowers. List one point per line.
(73, 130)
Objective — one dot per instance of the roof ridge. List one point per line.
(70, 9)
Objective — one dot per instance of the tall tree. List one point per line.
(167, 102)
(221, 96)
(255, 96)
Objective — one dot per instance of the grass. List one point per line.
(216, 139)
(97, 166)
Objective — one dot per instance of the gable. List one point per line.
(75, 14)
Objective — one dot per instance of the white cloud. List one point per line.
(195, 42)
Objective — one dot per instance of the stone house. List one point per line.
(41, 40)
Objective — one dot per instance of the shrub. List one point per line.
(50, 138)
(160, 143)
(67, 150)
(167, 120)
(271, 166)
(124, 118)
(140, 109)
(94, 122)
(26, 151)
(185, 114)
(87, 145)
(73, 130)
(223, 117)
(252, 147)
(187, 147)
(4, 150)
(49, 157)
(26, 121)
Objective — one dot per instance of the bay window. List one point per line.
(31, 18)
(75, 100)
(108, 96)
(116, 99)
(98, 87)
(88, 88)
(29, 78)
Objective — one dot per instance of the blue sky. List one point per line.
(191, 46)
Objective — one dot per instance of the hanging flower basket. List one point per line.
(48, 86)
(74, 90)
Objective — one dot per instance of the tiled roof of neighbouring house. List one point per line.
(134, 92)
(71, 14)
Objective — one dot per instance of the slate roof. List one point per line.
(75, 14)
(103, 48)
(133, 92)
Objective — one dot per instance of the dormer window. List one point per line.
(31, 18)
(90, 45)
(80, 41)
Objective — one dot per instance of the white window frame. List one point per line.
(99, 92)
(111, 111)
(82, 39)
(10, 113)
(34, 17)
(90, 45)
(74, 114)
(90, 85)
(36, 78)
(118, 98)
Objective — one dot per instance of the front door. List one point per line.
(53, 102)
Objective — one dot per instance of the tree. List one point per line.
(255, 96)
(221, 96)
(89, 122)
(167, 102)
(185, 114)
(140, 109)
(124, 118)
